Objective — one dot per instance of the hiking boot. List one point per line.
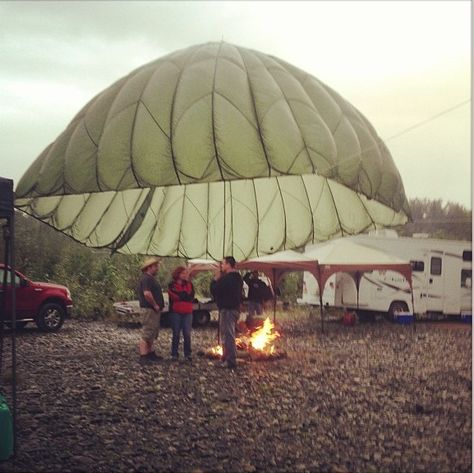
(152, 356)
(144, 360)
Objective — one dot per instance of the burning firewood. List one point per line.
(258, 344)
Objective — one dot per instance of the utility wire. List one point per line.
(416, 125)
(406, 130)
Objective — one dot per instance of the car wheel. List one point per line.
(201, 318)
(51, 317)
(395, 308)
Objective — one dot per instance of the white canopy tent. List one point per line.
(346, 256)
(323, 260)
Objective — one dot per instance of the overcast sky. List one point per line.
(400, 63)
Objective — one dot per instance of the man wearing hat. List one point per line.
(151, 301)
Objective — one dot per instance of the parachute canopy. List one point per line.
(214, 150)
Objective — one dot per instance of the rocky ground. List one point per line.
(374, 397)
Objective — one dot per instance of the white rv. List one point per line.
(311, 291)
(442, 277)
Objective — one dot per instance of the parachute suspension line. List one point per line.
(368, 179)
(180, 230)
(318, 200)
(368, 213)
(71, 226)
(134, 223)
(134, 123)
(254, 107)
(173, 100)
(155, 225)
(216, 151)
(335, 206)
(257, 215)
(284, 211)
(310, 209)
(116, 195)
(292, 114)
(154, 119)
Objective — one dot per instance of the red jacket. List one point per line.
(181, 296)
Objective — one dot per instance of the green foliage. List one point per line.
(291, 286)
(202, 283)
(95, 278)
(449, 221)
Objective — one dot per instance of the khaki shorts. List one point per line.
(150, 325)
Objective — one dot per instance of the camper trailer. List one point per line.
(442, 278)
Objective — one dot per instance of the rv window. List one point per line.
(466, 278)
(467, 255)
(417, 266)
(435, 266)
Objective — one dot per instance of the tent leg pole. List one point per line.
(274, 295)
(321, 310)
(413, 309)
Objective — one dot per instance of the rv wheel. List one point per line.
(395, 308)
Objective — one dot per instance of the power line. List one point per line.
(427, 120)
(406, 130)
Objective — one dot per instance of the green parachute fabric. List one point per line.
(214, 150)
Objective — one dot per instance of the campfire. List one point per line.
(257, 343)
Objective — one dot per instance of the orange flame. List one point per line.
(261, 340)
(217, 350)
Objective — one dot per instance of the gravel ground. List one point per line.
(374, 397)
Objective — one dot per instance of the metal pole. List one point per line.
(357, 281)
(6, 259)
(321, 309)
(13, 327)
(274, 295)
(413, 306)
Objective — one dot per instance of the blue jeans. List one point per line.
(181, 322)
(228, 319)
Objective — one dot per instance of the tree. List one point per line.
(438, 220)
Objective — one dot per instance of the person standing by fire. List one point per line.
(227, 291)
(181, 295)
(257, 295)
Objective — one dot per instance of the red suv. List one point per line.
(44, 303)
